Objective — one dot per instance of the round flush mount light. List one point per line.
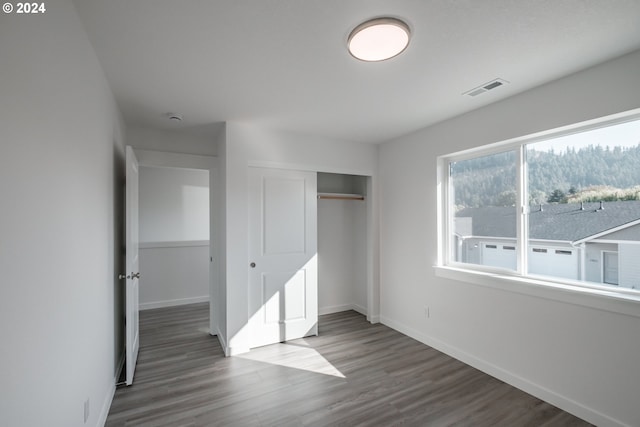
(379, 39)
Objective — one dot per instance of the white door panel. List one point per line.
(132, 344)
(610, 267)
(284, 305)
(283, 252)
(284, 216)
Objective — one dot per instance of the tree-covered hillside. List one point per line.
(589, 174)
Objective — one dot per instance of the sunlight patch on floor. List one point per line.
(294, 356)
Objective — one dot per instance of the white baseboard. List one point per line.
(230, 351)
(223, 342)
(171, 303)
(234, 351)
(360, 309)
(334, 309)
(510, 378)
(120, 367)
(106, 405)
(343, 307)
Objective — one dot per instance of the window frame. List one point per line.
(514, 280)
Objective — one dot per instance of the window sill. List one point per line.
(611, 301)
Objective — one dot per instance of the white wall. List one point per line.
(580, 358)
(246, 144)
(174, 204)
(173, 273)
(61, 187)
(179, 140)
(629, 273)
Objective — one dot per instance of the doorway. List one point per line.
(174, 236)
(610, 267)
(192, 193)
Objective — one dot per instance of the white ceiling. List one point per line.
(284, 63)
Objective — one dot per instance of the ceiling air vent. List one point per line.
(486, 87)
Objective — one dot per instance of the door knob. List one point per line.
(252, 265)
(122, 276)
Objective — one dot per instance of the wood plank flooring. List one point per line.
(353, 374)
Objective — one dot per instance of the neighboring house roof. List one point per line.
(566, 222)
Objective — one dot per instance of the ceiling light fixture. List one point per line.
(379, 39)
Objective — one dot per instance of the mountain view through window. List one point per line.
(583, 217)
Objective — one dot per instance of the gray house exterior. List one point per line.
(594, 242)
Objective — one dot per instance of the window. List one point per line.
(481, 189)
(563, 206)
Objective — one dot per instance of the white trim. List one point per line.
(334, 309)
(513, 239)
(120, 367)
(445, 235)
(601, 297)
(522, 218)
(514, 143)
(164, 159)
(230, 351)
(308, 167)
(340, 308)
(106, 404)
(234, 351)
(602, 266)
(175, 244)
(173, 302)
(222, 342)
(373, 319)
(528, 386)
(609, 231)
(616, 242)
(360, 309)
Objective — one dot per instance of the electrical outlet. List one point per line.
(426, 312)
(86, 410)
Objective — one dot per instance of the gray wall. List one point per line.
(61, 186)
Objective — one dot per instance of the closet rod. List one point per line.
(329, 196)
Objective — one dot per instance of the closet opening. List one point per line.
(343, 242)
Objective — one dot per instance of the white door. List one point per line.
(283, 276)
(553, 261)
(610, 267)
(499, 255)
(133, 272)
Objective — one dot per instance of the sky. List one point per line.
(622, 135)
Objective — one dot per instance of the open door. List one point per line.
(283, 276)
(133, 272)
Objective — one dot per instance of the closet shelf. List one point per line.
(340, 196)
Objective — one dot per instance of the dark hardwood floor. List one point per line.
(353, 374)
